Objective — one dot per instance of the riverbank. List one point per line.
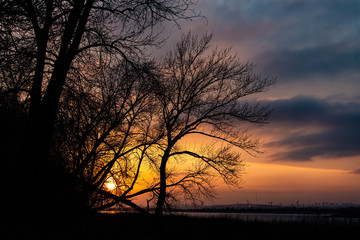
(135, 226)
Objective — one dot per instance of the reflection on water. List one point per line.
(272, 217)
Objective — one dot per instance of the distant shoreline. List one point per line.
(336, 212)
(344, 212)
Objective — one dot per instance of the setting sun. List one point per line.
(110, 184)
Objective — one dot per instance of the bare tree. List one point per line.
(103, 133)
(129, 117)
(200, 94)
(92, 108)
(55, 39)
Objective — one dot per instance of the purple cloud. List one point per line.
(336, 125)
(357, 171)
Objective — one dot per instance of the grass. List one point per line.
(134, 226)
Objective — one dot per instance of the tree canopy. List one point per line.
(83, 105)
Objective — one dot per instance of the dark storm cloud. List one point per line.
(315, 128)
(293, 21)
(308, 110)
(321, 61)
(292, 38)
(312, 41)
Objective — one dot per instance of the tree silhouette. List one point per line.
(103, 132)
(130, 117)
(46, 43)
(200, 94)
(81, 104)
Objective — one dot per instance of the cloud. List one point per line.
(291, 38)
(311, 127)
(357, 171)
(321, 60)
(299, 21)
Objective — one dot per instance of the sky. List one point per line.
(312, 144)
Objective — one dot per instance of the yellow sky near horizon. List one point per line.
(321, 179)
(265, 182)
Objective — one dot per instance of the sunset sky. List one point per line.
(312, 145)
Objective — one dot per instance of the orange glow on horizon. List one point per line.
(286, 184)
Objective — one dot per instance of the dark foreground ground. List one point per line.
(134, 226)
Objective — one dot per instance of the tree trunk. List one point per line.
(46, 184)
(162, 192)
